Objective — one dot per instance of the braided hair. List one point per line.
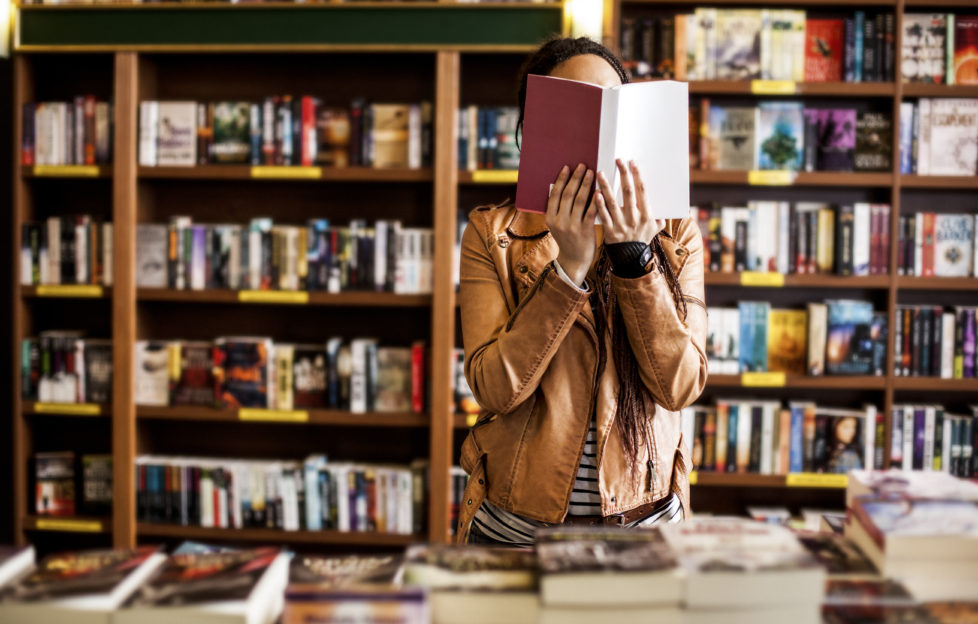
(635, 404)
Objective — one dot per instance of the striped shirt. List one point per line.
(505, 526)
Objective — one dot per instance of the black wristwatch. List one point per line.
(629, 260)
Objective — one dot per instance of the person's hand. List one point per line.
(571, 221)
(631, 221)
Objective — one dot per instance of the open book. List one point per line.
(568, 122)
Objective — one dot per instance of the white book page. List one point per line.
(653, 130)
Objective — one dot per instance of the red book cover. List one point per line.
(417, 377)
(308, 139)
(824, 48)
(928, 248)
(965, 49)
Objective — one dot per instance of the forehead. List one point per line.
(588, 68)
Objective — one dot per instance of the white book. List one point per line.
(414, 136)
(861, 238)
(107, 244)
(908, 435)
(953, 244)
(946, 431)
(929, 415)
(341, 480)
(947, 346)
(380, 254)
(152, 384)
(360, 349)
(953, 136)
(81, 253)
(14, 562)
(176, 134)
(148, 129)
(784, 234)
(869, 436)
(923, 140)
(769, 411)
(767, 53)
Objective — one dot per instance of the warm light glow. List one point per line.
(586, 18)
(6, 26)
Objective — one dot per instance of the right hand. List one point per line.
(571, 221)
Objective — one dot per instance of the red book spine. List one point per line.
(965, 64)
(928, 250)
(308, 140)
(417, 377)
(89, 130)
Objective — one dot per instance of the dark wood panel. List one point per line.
(276, 537)
(344, 299)
(807, 281)
(490, 79)
(856, 382)
(62, 76)
(937, 283)
(327, 174)
(917, 89)
(935, 384)
(319, 417)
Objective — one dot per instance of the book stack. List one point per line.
(262, 255)
(932, 342)
(787, 135)
(475, 584)
(763, 437)
(66, 250)
(918, 528)
(285, 131)
(769, 44)
(800, 238)
(57, 487)
(78, 132)
(929, 438)
(311, 495)
(253, 372)
(60, 366)
(838, 337)
(738, 570)
(487, 138)
(940, 48)
(939, 136)
(591, 574)
(937, 245)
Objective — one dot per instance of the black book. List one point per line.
(665, 48)
(889, 49)
(849, 68)
(646, 48)
(880, 28)
(733, 416)
(927, 339)
(845, 216)
(869, 50)
(901, 245)
(939, 458)
(740, 246)
(716, 244)
(756, 427)
(915, 332)
(909, 244)
(792, 240)
(820, 448)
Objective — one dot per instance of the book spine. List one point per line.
(148, 127)
(896, 436)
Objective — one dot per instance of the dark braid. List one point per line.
(553, 53)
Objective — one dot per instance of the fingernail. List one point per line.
(580, 166)
(564, 169)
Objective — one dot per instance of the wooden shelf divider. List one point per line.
(935, 384)
(276, 536)
(321, 417)
(343, 299)
(801, 178)
(939, 182)
(828, 382)
(292, 174)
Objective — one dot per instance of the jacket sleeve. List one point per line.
(670, 351)
(507, 353)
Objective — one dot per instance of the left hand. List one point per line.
(631, 221)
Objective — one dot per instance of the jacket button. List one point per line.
(504, 242)
(524, 268)
(481, 482)
(468, 502)
(680, 252)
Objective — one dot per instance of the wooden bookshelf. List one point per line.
(350, 299)
(747, 480)
(275, 536)
(297, 174)
(67, 524)
(935, 384)
(800, 178)
(826, 382)
(798, 281)
(321, 417)
(937, 283)
(918, 89)
(845, 90)
(939, 182)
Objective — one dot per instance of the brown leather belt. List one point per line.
(621, 519)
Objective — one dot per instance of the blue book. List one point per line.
(850, 59)
(780, 136)
(753, 336)
(732, 437)
(849, 338)
(906, 137)
(860, 21)
(795, 453)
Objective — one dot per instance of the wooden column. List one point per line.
(443, 303)
(124, 299)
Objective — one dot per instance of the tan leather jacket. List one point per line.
(531, 359)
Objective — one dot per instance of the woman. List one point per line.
(581, 346)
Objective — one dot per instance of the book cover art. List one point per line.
(780, 136)
(965, 59)
(176, 138)
(954, 242)
(953, 612)
(569, 550)
(874, 614)
(824, 50)
(917, 517)
(77, 573)
(232, 132)
(507, 151)
(753, 335)
(870, 591)
(838, 441)
(347, 571)
(841, 558)
(923, 54)
(332, 137)
(309, 376)
(393, 385)
(787, 335)
(849, 345)
(54, 484)
(389, 133)
(482, 567)
(151, 253)
(874, 142)
(96, 495)
(738, 52)
(732, 134)
(194, 578)
(241, 371)
(152, 386)
(953, 136)
(835, 136)
(192, 374)
(98, 371)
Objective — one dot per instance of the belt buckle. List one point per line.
(615, 520)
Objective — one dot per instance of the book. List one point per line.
(953, 127)
(243, 372)
(738, 44)
(840, 557)
(780, 134)
(232, 132)
(874, 142)
(191, 373)
(590, 566)
(954, 242)
(96, 490)
(849, 349)
(54, 493)
(623, 122)
(393, 387)
(349, 571)
(309, 376)
(82, 586)
(732, 131)
(824, 50)
(869, 592)
(151, 255)
(896, 482)
(389, 134)
(244, 586)
(753, 335)
(333, 135)
(964, 62)
(835, 135)
(923, 52)
(152, 384)
(176, 138)
(787, 333)
(14, 562)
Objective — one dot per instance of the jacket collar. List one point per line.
(527, 225)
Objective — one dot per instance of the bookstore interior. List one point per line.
(239, 385)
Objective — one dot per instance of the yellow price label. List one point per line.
(67, 171)
(495, 176)
(294, 297)
(254, 414)
(778, 177)
(759, 278)
(70, 290)
(815, 480)
(693, 477)
(773, 87)
(68, 524)
(286, 173)
(471, 419)
(762, 380)
(71, 409)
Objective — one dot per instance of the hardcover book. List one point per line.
(868, 591)
(787, 335)
(176, 139)
(389, 134)
(732, 134)
(824, 50)
(97, 360)
(152, 384)
(954, 240)
(753, 335)
(738, 44)
(393, 386)
(243, 372)
(332, 137)
(96, 492)
(309, 376)
(849, 347)
(347, 571)
(965, 60)
(953, 136)
(151, 255)
(841, 558)
(15, 561)
(54, 490)
(874, 142)
(923, 53)
(232, 132)
(780, 136)
(192, 373)
(835, 136)
(625, 122)
(471, 567)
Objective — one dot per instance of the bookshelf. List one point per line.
(371, 58)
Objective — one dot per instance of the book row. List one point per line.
(937, 245)
(63, 367)
(487, 138)
(263, 255)
(66, 250)
(285, 130)
(311, 495)
(930, 341)
(939, 136)
(77, 132)
(787, 135)
(233, 372)
(796, 238)
(940, 48)
(926, 437)
(837, 337)
(764, 437)
(768, 44)
(60, 476)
